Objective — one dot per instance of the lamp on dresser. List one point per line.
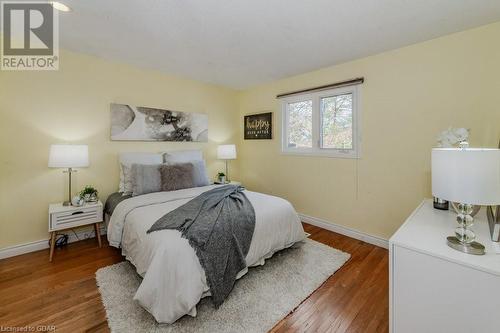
(226, 153)
(68, 156)
(467, 176)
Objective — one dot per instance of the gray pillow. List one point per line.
(200, 177)
(145, 178)
(176, 176)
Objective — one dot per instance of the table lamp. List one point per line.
(467, 176)
(69, 156)
(226, 152)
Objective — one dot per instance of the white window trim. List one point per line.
(316, 123)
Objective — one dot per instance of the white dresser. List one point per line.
(434, 288)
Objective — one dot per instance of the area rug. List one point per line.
(259, 300)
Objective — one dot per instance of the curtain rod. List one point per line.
(346, 83)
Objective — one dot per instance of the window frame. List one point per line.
(317, 124)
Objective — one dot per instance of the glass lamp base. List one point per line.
(469, 248)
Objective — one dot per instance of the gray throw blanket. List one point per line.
(219, 225)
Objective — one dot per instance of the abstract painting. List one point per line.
(138, 123)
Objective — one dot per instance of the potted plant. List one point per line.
(221, 177)
(89, 194)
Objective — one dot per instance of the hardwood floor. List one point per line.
(34, 292)
(354, 299)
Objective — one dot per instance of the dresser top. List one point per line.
(59, 208)
(426, 230)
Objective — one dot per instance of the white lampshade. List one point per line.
(469, 176)
(68, 156)
(226, 152)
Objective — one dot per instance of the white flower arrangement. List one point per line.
(452, 137)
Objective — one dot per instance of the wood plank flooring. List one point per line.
(63, 294)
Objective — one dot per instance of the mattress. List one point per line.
(173, 279)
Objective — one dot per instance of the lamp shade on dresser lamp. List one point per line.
(467, 176)
(69, 157)
(226, 153)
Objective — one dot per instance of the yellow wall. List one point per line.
(72, 105)
(409, 96)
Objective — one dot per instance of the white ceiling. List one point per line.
(240, 43)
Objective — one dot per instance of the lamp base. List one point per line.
(469, 248)
(67, 203)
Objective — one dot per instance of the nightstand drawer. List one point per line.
(75, 217)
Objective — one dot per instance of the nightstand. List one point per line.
(67, 217)
(232, 182)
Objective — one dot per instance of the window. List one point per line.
(322, 123)
(300, 124)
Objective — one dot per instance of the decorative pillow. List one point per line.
(126, 183)
(176, 176)
(127, 159)
(183, 156)
(145, 179)
(200, 177)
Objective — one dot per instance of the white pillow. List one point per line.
(200, 176)
(183, 156)
(126, 161)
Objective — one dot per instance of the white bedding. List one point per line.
(173, 279)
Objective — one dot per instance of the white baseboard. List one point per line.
(375, 240)
(16, 250)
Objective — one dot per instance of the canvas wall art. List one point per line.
(258, 126)
(138, 123)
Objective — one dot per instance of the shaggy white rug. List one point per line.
(259, 300)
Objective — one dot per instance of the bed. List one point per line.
(173, 279)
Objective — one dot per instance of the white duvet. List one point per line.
(173, 279)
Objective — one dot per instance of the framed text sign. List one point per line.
(258, 126)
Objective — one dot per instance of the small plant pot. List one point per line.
(90, 197)
(222, 180)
